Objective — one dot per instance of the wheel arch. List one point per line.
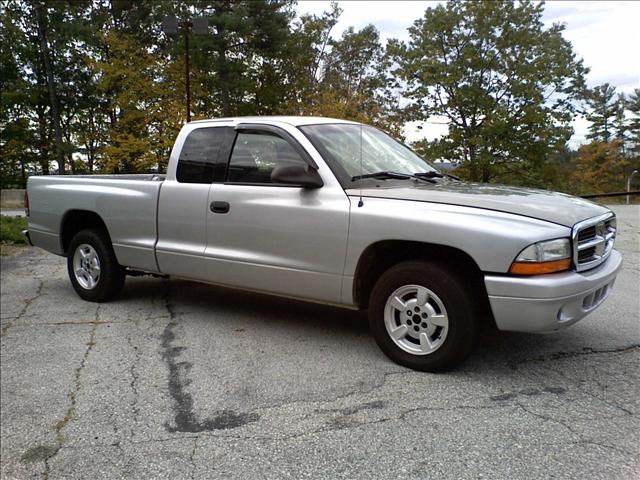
(74, 221)
(382, 255)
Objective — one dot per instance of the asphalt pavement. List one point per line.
(182, 380)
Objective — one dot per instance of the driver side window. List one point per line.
(256, 154)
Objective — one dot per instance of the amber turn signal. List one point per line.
(537, 268)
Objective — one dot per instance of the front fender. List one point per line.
(492, 239)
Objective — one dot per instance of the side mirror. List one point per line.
(298, 174)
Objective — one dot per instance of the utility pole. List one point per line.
(198, 26)
(187, 72)
(629, 183)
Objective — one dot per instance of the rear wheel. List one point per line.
(93, 268)
(422, 316)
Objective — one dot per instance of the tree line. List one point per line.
(96, 86)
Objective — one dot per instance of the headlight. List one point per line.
(543, 257)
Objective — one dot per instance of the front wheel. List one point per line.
(93, 268)
(422, 316)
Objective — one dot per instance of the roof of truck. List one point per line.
(296, 121)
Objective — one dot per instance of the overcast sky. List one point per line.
(605, 34)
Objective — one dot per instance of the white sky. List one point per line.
(605, 34)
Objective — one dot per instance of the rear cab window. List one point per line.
(202, 158)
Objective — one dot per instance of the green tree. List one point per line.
(14, 131)
(309, 46)
(133, 108)
(504, 82)
(40, 12)
(602, 108)
(25, 137)
(620, 121)
(239, 66)
(145, 113)
(43, 40)
(633, 106)
(354, 82)
(346, 77)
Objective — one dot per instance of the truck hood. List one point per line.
(553, 207)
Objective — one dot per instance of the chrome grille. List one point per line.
(587, 233)
(593, 240)
(586, 254)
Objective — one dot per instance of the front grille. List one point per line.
(587, 233)
(593, 241)
(586, 254)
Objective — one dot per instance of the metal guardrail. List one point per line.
(611, 194)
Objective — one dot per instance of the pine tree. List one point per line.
(602, 108)
(633, 106)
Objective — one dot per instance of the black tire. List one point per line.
(457, 300)
(112, 275)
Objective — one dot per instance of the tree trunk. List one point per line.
(473, 163)
(224, 82)
(486, 174)
(43, 143)
(53, 96)
(91, 158)
(223, 72)
(23, 176)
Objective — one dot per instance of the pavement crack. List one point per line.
(621, 451)
(133, 372)
(374, 405)
(347, 422)
(547, 418)
(73, 397)
(23, 310)
(584, 351)
(581, 439)
(580, 386)
(184, 416)
(192, 458)
(356, 391)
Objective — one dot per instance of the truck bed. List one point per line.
(126, 203)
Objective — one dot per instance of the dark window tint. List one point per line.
(199, 159)
(256, 155)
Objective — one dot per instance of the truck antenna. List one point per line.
(360, 202)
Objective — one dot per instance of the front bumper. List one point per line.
(547, 303)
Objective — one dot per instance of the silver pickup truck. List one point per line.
(339, 213)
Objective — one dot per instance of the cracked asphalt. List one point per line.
(181, 380)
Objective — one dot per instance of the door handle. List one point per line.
(219, 207)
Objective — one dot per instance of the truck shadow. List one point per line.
(323, 324)
(193, 298)
(238, 352)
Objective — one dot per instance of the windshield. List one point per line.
(340, 144)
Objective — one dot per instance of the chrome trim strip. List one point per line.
(597, 240)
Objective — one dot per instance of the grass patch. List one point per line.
(11, 230)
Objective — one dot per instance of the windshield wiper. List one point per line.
(435, 175)
(400, 176)
(391, 175)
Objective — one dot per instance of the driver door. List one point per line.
(276, 238)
